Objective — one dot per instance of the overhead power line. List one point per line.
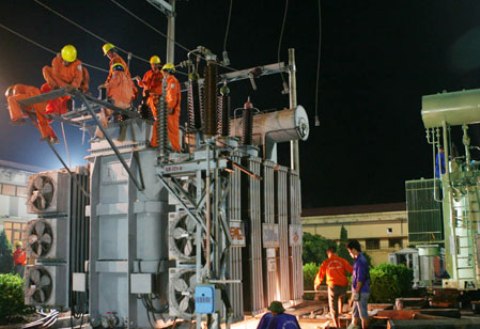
(149, 25)
(86, 30)
(317, 119)
(45, 48)
(163, 34)
(280, 42)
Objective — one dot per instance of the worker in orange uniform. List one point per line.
(16, 93)
(172, 100)
(66, 71)
(336, 269)
(19, 259)
(120, 88)
(152, 90)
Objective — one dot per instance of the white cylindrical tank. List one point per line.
(427, 254)
(278, 126)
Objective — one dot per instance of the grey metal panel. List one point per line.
(258, 302)
(235, 262)
(282, 218)
(296, 250)
(272, 277)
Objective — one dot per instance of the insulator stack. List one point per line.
(247, 123)
(194, 103)
(210, 99)
(223, 112)
(162, 123)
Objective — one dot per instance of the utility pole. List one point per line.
(168, 9)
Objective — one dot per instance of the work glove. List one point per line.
(356, 296)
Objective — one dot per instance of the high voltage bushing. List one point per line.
(194, 103)
(210, 98)
(162, 123)
(247, 123)
(223, 112)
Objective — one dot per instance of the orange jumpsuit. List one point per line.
(173, 98)
(152, 82)
(120, 87)
(17, 114)
(20, 257)
(60, 75)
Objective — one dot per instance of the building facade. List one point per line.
(13, 198)
(380, 229)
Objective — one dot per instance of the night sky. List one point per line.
(378, 58)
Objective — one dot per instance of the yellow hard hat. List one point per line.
(69, 53)
(155, 60)
(107, 47)
(168, 67)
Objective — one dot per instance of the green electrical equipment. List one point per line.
(457, 188)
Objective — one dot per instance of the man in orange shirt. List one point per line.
(66, 71)
(172, 99)
(16, 93)
(152, 90)
(336, 269)
(19, 259)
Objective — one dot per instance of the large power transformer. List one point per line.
(444, 212)
(206, 235)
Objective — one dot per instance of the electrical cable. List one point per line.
(86, 30)
(317, 119)
(281, 39)
(45, 48)
(228, 26)
(162, 34)
(149, 25)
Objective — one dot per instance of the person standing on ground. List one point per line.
(335, 268)
(19, 259)
(277, 318)
(360, 284)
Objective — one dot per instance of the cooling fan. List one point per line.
(40, 237)
(182, 233)
(41, 192)
(39, 285)
(182, 289)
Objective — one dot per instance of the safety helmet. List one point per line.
(106, 48)
(155, 60)
(69, 53)
(168, 67)
(9, 91)
(18, 244)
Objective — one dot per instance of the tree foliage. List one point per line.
(309, 272)
(315, 248)
(388, 281)
(6, 254)
(342, 245)
(11, 297)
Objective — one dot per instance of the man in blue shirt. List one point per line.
(360, 284)
(277, 319)
(440, 167)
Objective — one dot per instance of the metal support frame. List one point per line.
(138, 184)
(87, 99)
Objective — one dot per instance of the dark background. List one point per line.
(378, 58)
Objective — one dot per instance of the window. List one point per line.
(372, 244)
(9, 189)
(395, 243)
(389, 230)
